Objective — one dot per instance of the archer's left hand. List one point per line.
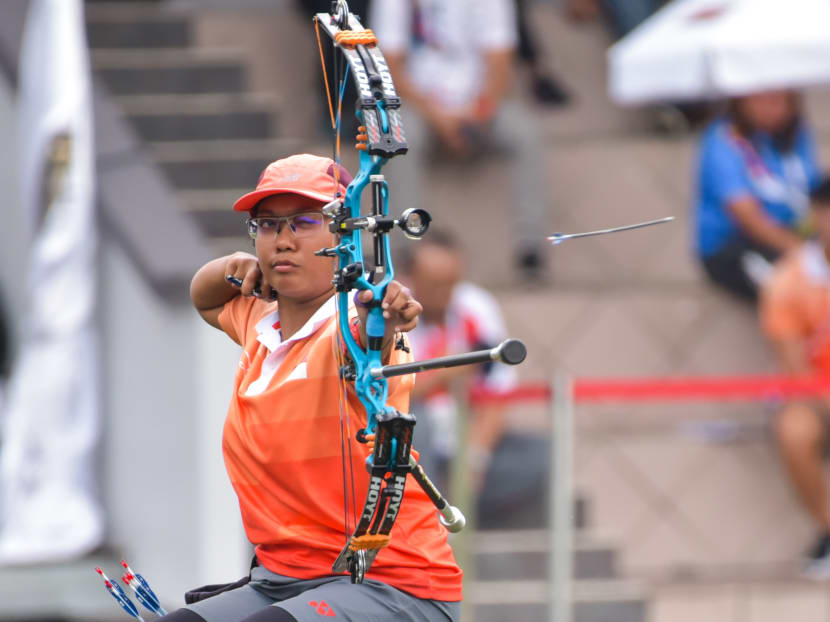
(400, 310)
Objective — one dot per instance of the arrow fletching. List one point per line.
(142, 590)
(118, 594)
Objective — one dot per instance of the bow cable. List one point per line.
(344, 415)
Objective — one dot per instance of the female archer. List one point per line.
(284, 436)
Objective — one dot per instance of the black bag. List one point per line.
(207, 591)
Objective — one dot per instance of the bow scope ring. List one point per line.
(414, 222)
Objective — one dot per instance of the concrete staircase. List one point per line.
(741, 598)
(512, 580)
(191, 105)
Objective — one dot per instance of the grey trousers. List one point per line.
(335, 596)
(514, 137)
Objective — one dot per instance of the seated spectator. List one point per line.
(623, 16)
(795, 313)
(755, 170)
(547, 89)
(452, 62)
(459, 316)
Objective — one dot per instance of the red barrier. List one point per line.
(722, 388)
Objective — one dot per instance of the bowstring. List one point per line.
(337, 155)
(345, 438)
(342, 396)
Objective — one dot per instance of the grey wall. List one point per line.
(168, 383)
(12, 245)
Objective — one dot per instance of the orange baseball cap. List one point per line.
(304, 174)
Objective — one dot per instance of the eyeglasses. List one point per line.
(302, 225)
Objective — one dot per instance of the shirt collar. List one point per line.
(268, 328)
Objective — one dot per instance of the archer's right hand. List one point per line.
(242, 272)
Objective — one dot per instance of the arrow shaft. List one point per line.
(566, 236)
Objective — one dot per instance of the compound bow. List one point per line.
(380, 138)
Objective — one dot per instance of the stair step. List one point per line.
(227, 223)
(528, 601)
(163, 58)
(199, 103)
(119, 31)
(612, 611)
(133, 9)
(211, 210)
(214, 173)
(525, 555)
(218, 164)
(198, 151)
(169, 71)
(212, 116)
(191, 125)
(744, 594)
(211, 201)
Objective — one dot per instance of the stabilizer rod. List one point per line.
(509, 351)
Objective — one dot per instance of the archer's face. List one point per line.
(435, 273)
(288, 262)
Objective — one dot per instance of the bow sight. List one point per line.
(414, 222)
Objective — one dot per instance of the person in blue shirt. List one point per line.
(755, 170)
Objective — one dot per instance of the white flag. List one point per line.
(48, 503)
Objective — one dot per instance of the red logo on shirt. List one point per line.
(322, 608)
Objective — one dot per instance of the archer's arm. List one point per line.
(497, 79)
(792, 354)
(758, 226)
(210, 290)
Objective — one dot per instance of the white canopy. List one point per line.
(696, 49)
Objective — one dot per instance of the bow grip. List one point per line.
(375, 326)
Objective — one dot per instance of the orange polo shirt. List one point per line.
(795, 303)
(282, 450)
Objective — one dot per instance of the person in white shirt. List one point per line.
(452, 61)
(507, 468)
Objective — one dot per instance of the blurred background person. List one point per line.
(756, 166)
(622, 16)
(460, 316)
(795, 310)
(452, 62)
(545, 86)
